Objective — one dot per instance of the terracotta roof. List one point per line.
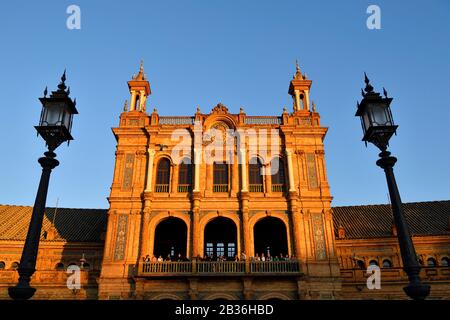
(74, 225)
(375, 221)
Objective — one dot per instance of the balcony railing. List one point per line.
(277, 187)
(256, 188)
(162, 188)
(220, 188)
(166, 267)
(274, 267)
(219, 267)
(184, 188)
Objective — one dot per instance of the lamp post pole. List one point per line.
(415, 289)
(378, 127)
(54, 127)
(27, 267)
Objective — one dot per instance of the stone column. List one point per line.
(197, 160)
(296, 221)
(174, 182)
(307, 99)
(151, 156)
(133, 101)
(243, 162)
(145, 236)
(290, 170)
(142, 99)
(268, 178)
(297, 100)
(195, 226)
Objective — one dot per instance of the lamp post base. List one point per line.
(417, 291)
(21, 292)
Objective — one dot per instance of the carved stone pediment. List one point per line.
(220, 109)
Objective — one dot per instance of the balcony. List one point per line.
(222, 268)
(162, 188)
(277, 187)
(256, 188)
(184, 188)
(220, 188)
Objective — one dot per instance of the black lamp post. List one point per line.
(54, 127)
(378, 127)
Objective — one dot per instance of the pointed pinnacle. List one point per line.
(362, 92)
(384, 92)
(68, 91)
(366, 79)
(45, 91)
(63, 77)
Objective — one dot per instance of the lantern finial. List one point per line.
(368, 88)
(62, 85)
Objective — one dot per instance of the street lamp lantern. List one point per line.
(378, 127)
(54, 127)
(376, 117)
(55, 124)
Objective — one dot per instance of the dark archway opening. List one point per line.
(170, 239)
(270, 237)
(221, 239)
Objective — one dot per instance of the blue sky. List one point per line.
(241, 53)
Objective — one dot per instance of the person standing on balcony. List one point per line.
(243, 256)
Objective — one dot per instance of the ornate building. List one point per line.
(211, 192)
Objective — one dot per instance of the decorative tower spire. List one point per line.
(299, 90)
(139, 90)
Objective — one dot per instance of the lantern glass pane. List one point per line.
(66, 119)
(52, 116)
(366, 121)
(379, 115)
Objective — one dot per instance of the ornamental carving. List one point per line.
(319, 236)
(220, 109)
(121, 237)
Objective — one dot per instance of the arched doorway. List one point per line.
(270, 237)
(170, 238)
(221, 238)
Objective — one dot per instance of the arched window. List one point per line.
(387, 263)
(255, 175)
(278, 176)
(59, 266)
(373, 263)
(2, 265)
(185, 176)
(14, 265)
(163, 176)
(220, 177)
(431, 262)
(445, 262)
